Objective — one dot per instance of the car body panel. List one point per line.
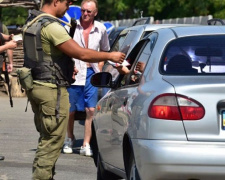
(167, 148)
(179, 159)
(208, 91)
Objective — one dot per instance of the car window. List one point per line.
(139, 60)
(128, 41)
(201, 55)
(139, 66)
(146, 33)
(118, 43)
(112, 36)
(122, 39)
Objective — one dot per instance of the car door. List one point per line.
(123, 98)
(108, 100)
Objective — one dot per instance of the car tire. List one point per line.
(103, 174)
(132, 171)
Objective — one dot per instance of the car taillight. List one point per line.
(175, 107)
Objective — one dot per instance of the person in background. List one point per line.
(52, 73)
(89, 34)
(4, 30)
(8, 45)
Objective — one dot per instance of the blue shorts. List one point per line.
(83, 96)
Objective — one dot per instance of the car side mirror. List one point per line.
(102, 79)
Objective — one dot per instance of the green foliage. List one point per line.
(159, 9)
(124, 9)
(218, 7)
(14, 15)
(112, 9)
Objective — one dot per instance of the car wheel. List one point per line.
(103, 174)
(132, 171)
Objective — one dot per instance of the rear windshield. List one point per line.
(195, 55)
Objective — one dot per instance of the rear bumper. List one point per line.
(179, 160)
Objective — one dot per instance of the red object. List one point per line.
(175, 107)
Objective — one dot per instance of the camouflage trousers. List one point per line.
(52, 130)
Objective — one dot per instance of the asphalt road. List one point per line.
(18, 142)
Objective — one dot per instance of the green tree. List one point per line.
(125, 9)
(112, 9)
(14, 15)
(217, 8)
(160, 9)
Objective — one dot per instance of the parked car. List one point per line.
(127, 39)
(167, 120)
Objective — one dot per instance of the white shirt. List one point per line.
(98, 40)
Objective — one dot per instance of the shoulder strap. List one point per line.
(46, 16)
(35, 12)
(32, 14)
(73, 27)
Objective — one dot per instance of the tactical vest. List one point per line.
(44, 67)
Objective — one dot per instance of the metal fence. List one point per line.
(186, 20)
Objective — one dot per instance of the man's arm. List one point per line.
(8, 45)
(10, 58)
(72, 49)
(7, 37)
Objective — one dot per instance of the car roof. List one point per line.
(151, 27)
(182, 31)
(146, 28)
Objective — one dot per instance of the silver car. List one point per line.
(165, 119)
(126, 41)
(129, 37)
